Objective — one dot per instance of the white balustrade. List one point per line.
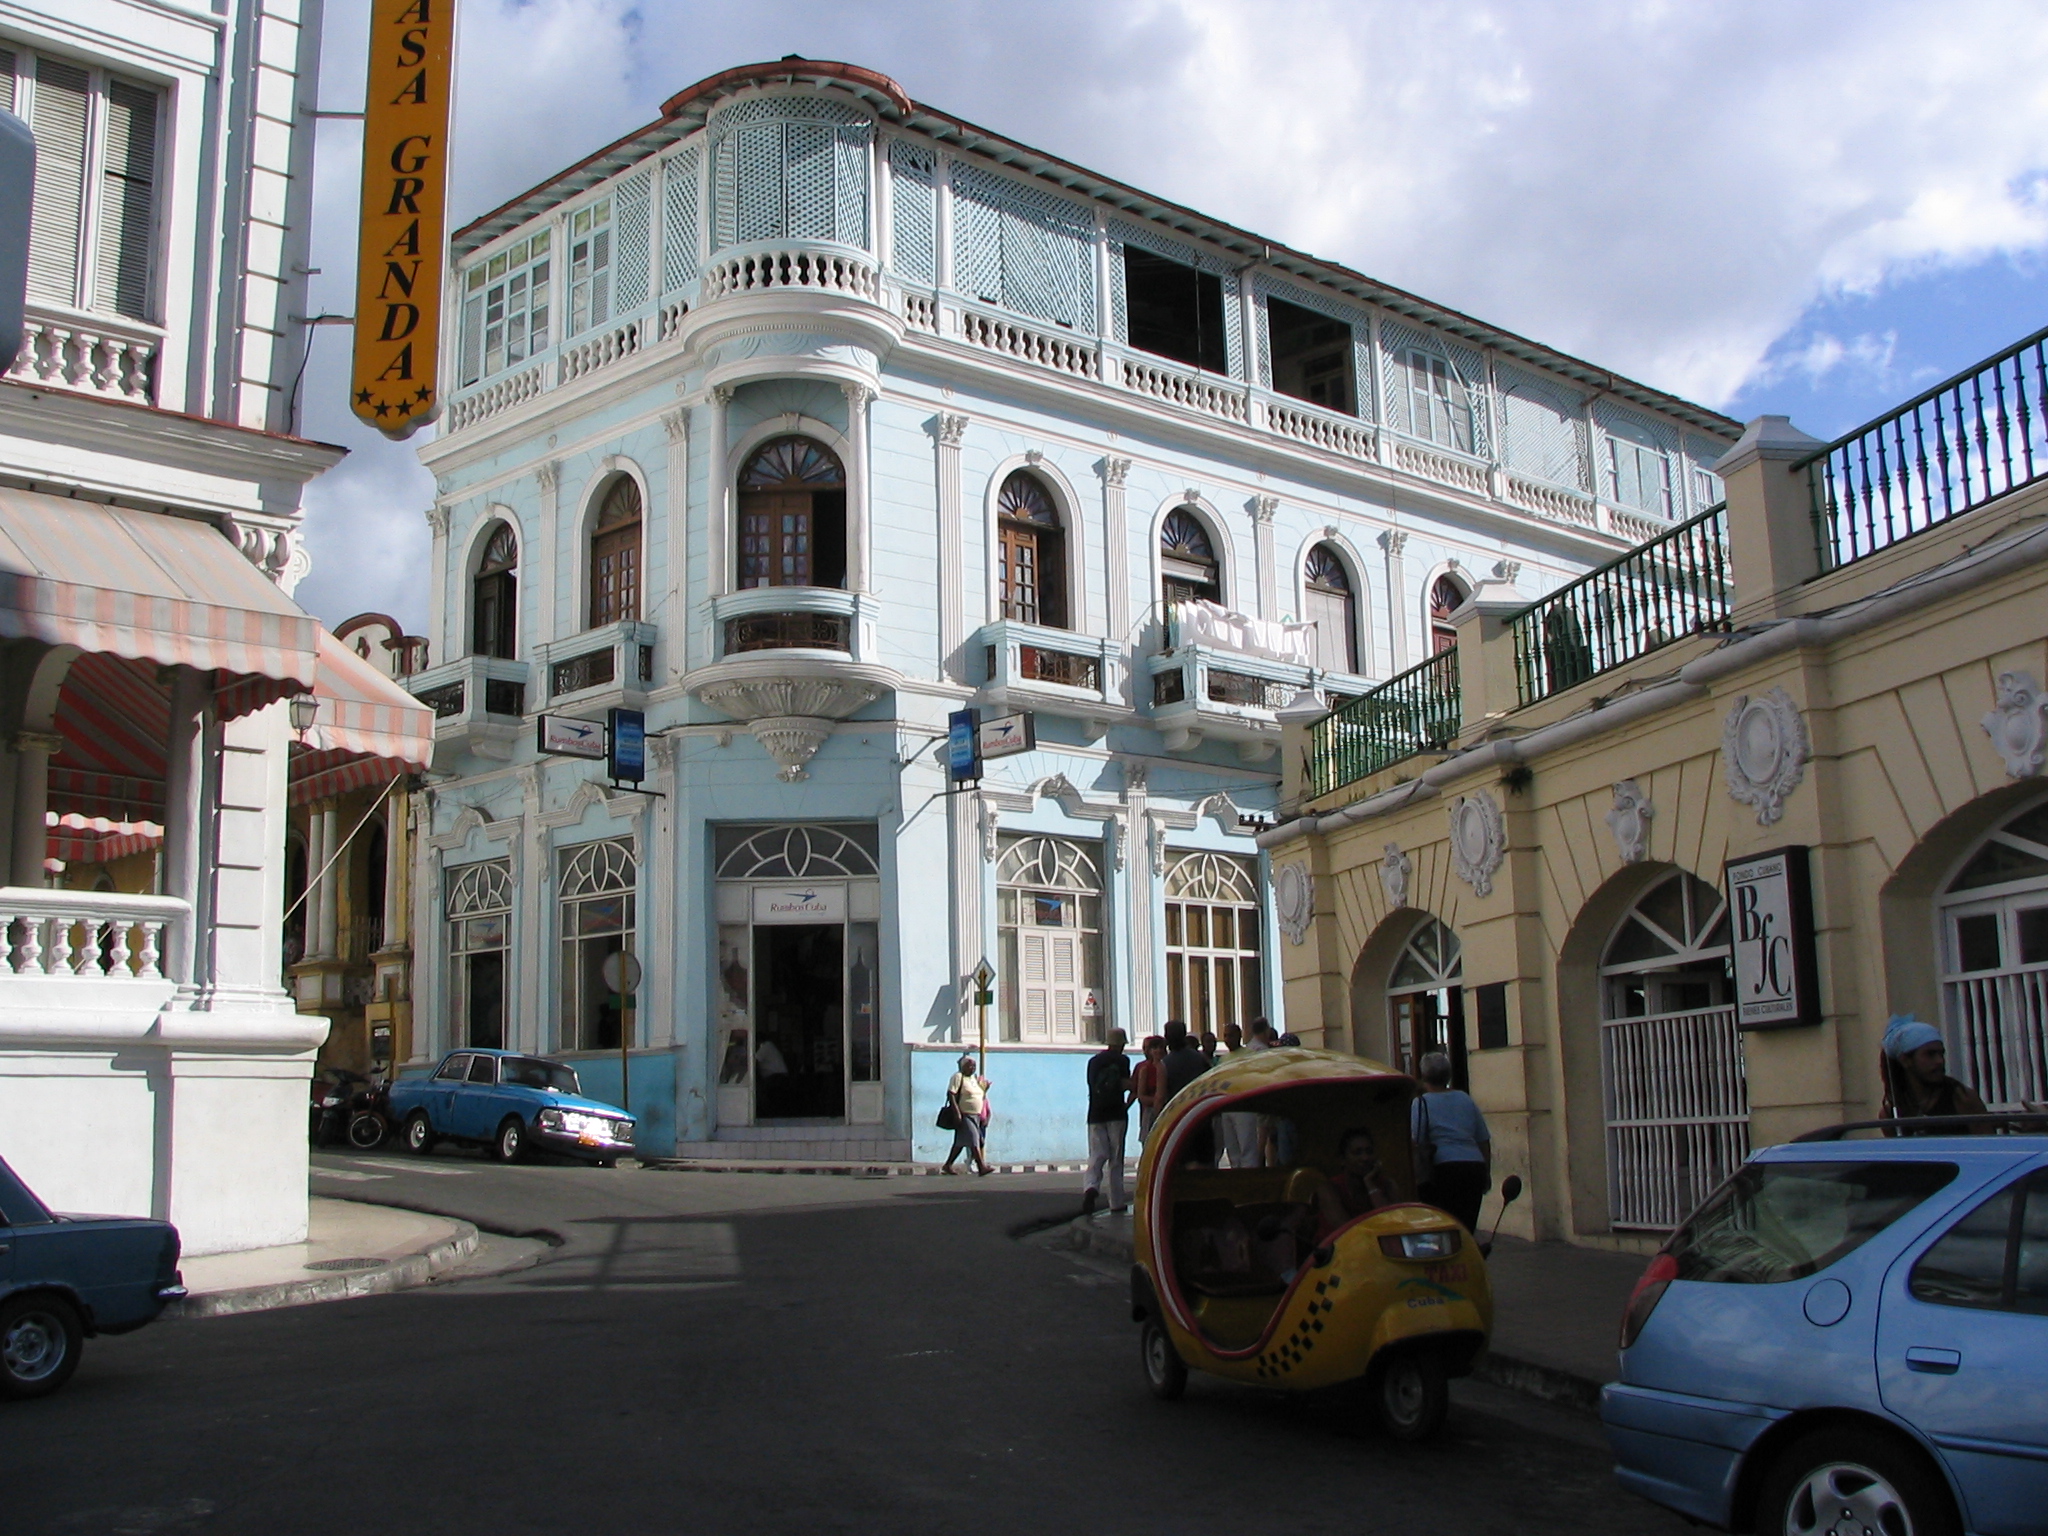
(816, 271)
(468, 410)
(1997, 1026)
(600, 351)
(672, 318)
(1212, 397)
(1634, 526)
(1062, 354)
(87, 935)
(1442, 468)
(1320, 429)
(90, 354)
(919, 312)
(1553, 502)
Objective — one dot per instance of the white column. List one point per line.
(1393, 541)
(32, 753)
(675, 621)
(1262, 510)
(660, 1021)
(952, 549)
(395, 867)
(543, 600)
(186, 821)
(858, 399)
(330, 881)
(943, 257)
(1137, 842)
(244, 914)
(1116, 559)
(442, 609)
(717, 502)
(969, 823)
(533, 882)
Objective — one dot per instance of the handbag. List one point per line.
(1425, 1149)
(949, 1117)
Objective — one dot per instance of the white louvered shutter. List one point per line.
(6, 81)
(127, 211)
(1037, 1002)
(63, 99)
(679, 227)
(1065, 985)
(632, 241)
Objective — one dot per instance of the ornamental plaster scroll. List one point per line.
(1158, 838)
(748, 699)
(1507, 570)
(1764, 746)
(2016, 725)
(990, 826)
(1294, 900)
(1479, 840)
(676, 424)
(792, 740)
(1395, 869)
(547, 475)
(1629, 821)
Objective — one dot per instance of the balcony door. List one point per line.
(1031, 553)
(792, 523)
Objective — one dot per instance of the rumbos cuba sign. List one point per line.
(405, 184)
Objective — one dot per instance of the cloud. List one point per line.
(1662, 188)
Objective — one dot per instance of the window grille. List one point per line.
(505, 308)
(1426, 999)
(92, 224)
(1994, 965)
(1213, 972)
(1676, 1099)
(1635, 459)
(1447, 595)
(679, 221)
(1049, 937)
(596, 902)
(590, 266)
(809, 852)
(1023, 248)
(913, 170)
(478, 888)
(1543, 429)
(635, 237)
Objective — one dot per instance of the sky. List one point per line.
(1799, 207)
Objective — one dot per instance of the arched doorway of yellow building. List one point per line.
(1407, 993)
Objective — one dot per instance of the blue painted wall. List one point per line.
(1040, 1100)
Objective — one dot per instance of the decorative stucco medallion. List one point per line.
(1294, 900)
(1629, 821)
(1764, 747)
(1395, 868)
(1479, 841)
(2016, 726)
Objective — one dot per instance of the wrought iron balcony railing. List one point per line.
(1673, 586)
(1965, 442)
(1420, 710)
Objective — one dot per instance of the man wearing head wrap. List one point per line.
(1916, 1073)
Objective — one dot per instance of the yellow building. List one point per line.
(1824, 698)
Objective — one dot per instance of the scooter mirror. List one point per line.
(1511, 1189)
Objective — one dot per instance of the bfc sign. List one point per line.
(405, 184)
(1770, 925)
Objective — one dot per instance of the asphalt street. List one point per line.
(706, 1353)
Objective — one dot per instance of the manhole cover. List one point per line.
(334, 1264)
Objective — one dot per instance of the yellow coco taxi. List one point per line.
(1270, 1276)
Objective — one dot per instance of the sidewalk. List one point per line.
(350, 1250)
(1557, 1308)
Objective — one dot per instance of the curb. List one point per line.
(414, 1269)
(1546, 1382)
(852, 1170)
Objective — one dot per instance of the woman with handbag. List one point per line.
(966, 1115)
(1453, 1148)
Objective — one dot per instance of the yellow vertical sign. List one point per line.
(405, 187)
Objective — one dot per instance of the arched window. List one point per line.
(1670, 1056)
(615, 555)
(1446, 596)
(494, 596)
(597, 885)
(479, 913)
(1328, 603)
(1994, 964)
(1049, 933)
(1426, 1000)
(1212, 941)
(1188, 568)
(1031, 553)
(792, 516)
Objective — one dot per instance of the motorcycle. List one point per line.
(369, 1121)
(333, 1088)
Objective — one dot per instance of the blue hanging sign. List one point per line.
(963, 750)
(626, 745)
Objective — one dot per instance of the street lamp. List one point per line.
(305, 708)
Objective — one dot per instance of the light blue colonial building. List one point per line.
(808, 415)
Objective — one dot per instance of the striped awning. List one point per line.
(148, 587)
(366, 730)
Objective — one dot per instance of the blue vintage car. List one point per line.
(64, 1277)
(1849, 1336)
(509, 1104)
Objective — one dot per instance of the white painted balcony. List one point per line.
(90, 354)
(478, 703)
(1198, 692)
(600, 667)
(1051, 671)
(86, 965)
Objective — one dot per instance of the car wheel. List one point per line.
(510, 1146)
(1411, 1395)
(1830, 1481)
(419, 1133)
(40, 1340)
(1165, 1372)
(367, 1131)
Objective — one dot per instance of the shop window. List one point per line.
(792, 527)
(590, 266)
(479, 915)
(597, 922)
(1049, 929)
(1311, 356)
(1439, 402)
(1328, 603)
(1446, 596)
(1031, 553)
(615, 555)
(1175, 310)
(1188, 568)
(1213, 971)
(494, 599)
(505, 308)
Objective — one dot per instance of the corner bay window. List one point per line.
(597, 886)
(615, 555)
(479, 910)
(494, 608)
(1031, 553)
(505, 308)
(792, 525)
(1212, 942)
(1049, 927)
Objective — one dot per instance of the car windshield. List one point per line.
(1781, 1221)
(532, 1072)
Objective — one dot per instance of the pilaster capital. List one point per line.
(49, 743)
(547, 474)
(437, 519)
(677, 425)
(858, 396)
(1393, 541)
(1507, 570)
(1262, 508)
(723, 393)
(949, 428)
(1115, 471)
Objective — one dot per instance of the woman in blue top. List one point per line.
(1453, 1149)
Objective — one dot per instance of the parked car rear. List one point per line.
(1849, 1335)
